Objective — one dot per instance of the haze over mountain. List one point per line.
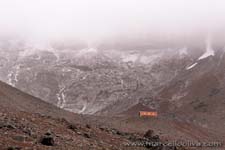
(98, 63)
(95, 21)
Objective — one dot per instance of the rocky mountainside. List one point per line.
(195, 96)
(184, 84)
(29, 123)
(15, 100)
(99, 81)
(91, 80)
(197, 93)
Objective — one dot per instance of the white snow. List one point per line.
(209, 52)
(13, 76)
(183, 51)
(131, 57)
(10, 80)
(17, 73)
(83, 109)
(193, 65)
(66, 70)
(87, 51)
(150, 58)
(61, 99)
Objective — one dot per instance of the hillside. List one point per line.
(27, 122)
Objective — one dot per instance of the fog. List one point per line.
(97, 20)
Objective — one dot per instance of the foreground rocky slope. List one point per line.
(21, 130)
(26, 125)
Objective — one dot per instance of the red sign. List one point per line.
(148, 113)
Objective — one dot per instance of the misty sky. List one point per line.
(98, 19)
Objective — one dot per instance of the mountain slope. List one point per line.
(13, 99)
(197, 94)
(90, 81)
(27, 122)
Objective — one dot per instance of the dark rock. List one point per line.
(88, 126)
(87, 135)
(28, 131)
(7, 125)
(113, 131)
(72, 127)
(47, 139)
(120, 133)
(134, 138)
(101, 128)
(155, 137)
(1, 125)
(149, 134)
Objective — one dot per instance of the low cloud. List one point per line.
(97, 20)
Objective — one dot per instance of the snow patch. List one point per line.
(13, 76)
(178, 96)
(150, 59)
(87, 51)
(130, 58)
(83, 109)
(66, 70)
(192, 66)
(209, 50)
(183, 51)
(10, 80)
(61, 98)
